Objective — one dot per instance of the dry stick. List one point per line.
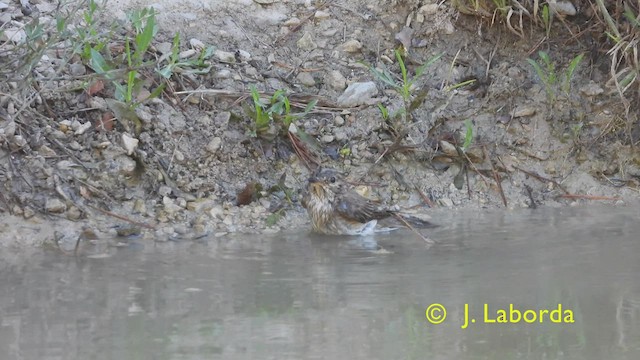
(399, 217)
(120, 217)
(530, 193)
(496, 177)
(542, 178)
(424, 197)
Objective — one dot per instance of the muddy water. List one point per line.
(297, 296)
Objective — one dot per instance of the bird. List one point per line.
(335, 208)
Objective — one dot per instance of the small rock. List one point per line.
(359, 93)
(563, 8)
(327, 138)
(306, 42)
(214, 145)
(336, 80)
(187, 53)
(306, 79)
(125, 165)
(222, 74)
(224, 56)
(46, 151)
(55, 206)
(445, 202)
(338, 120)
(428, 9)
(591, 89)
(28, 212)
(352, 46)
(139, 207)
(322, 15)
(74, 213)
(129, 143)
(83, 128)
(523, 111)
(16, 36)
(196, 44)
(164, 191)
(77, 69)
(244, 55)
(448, 148)
(292, 22)
(170, 206)
(340, 134)
(265, 2)
(3, 5)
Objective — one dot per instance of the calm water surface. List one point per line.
(297, 296)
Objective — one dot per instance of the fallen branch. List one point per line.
(120, 217)
(587, 197)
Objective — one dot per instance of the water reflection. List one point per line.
(299, 296)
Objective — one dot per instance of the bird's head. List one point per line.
(325, 182)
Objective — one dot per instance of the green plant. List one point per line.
(553, 80)
(276, 111)
(468, 136)
(404, 87)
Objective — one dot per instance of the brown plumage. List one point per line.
(335, 209)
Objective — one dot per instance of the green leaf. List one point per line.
(97, 63)
(468, 137)
(143, 39)
(424, 66)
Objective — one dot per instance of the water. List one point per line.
(300, 296)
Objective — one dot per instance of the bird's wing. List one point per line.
(353, 206)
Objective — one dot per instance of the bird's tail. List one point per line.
(415, 221)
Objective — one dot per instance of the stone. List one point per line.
(358, 93)
(129, 143)
(591, 89)
(338, 120)
(322, 15)
(352, 46)
(327, 138)
(336, 80)
(197, 44)
(214, 145)
(306, 42)
(306, 79)
(224, 56)
(55, 206)
(77, 69)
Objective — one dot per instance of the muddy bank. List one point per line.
(72, 158)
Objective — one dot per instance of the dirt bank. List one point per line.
(177, 171)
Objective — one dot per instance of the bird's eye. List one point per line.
(332, 179)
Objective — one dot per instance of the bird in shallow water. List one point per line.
(336, 209)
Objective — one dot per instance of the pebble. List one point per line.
(340, 134)
(338, 120)
(197, 44)
(224, 56)
(292, 22)
(164, 190)
(125, 165)
(214, 145)
(445, 202)
(170, 206)
(55, 206)
(336, 80)
(222, 74)
(129, 143)
(3, 5)
(591, 89)
(322, 15)
(16, 36)
(306, 79)
(523, 111)
(358, 93)
(352, 46)
(77, 69)
(327, 138)
(306, 42)
(244, 55)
